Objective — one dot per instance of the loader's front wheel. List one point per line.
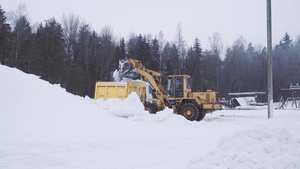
(151, 108)
(201, 115)
(190, 111)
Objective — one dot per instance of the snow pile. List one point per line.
(254, 148)
(131, 106)
(133, 109)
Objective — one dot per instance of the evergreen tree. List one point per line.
(170, 61)
(166, 63)
(4, 38)
(166, 58)
(284, 69)
(295, 62)
(122, 49)
(143, 51)
(120, 52)
(234, 67)
(131, 49)
(155, 55)
(139, 48)
(106, 60)
(52, 58)
(196, 64)
(209, 70)
(79, 81)
(261, 71)
(175, 65)
(286, 41)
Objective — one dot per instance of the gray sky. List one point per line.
(199, 18)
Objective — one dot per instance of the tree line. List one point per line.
(70, 53)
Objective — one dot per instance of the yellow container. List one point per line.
(121, 90)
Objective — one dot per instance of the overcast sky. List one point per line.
(199, 18)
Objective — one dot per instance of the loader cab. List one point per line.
(178, 86)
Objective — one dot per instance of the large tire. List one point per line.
(151, 108)
(201, 115)
(190, 111)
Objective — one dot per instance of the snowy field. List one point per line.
(42, 126)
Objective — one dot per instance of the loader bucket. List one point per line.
(125, 66)
(127, 71)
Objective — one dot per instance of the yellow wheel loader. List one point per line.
(178, 96)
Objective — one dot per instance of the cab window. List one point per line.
(188, 86)
(171, 87)
(179, 87)
(179, 83)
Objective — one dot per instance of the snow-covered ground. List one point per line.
(42, 126)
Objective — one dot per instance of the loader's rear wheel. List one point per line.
(190, 111)
(151, 108)
(201, 115)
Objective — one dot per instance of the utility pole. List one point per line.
(270, 71)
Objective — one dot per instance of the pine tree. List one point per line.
(155, 55)
(197, 66)
(106, 60)
(4, 38)
(122, 49)
(52, 58)
(166, 62)
(234, 68)
(139, 48)
(174, 60)
(286, 41)
(120, 52)
(79, 79)
(188, 64)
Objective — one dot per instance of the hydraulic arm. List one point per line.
(149, 75)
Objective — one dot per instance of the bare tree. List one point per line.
(161, 42)
(14, 16)
(71, 26)
(21, 31)
(216, 43)
(180, 43)
(217, 49)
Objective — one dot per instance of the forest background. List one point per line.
(73, 55)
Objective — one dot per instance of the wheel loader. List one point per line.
(178, 96)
